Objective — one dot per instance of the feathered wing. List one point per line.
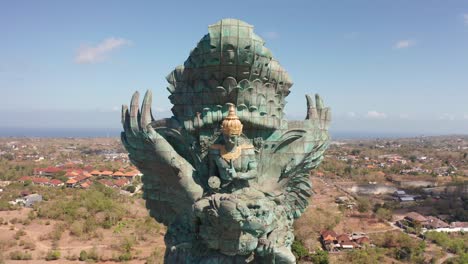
(169, 183)
(295, 153)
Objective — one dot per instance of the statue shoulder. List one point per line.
(247, 148)
(215, 148)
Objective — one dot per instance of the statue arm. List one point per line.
(212, 169)
(251, 172)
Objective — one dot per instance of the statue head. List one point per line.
(231, 127)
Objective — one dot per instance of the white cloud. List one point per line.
(351, 115)
(115, 108)
(405, 43)
(271, 35)
(376, 115)
(93, 54)
(465, 18)
(465, 116)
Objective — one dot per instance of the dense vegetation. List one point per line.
(454, 243)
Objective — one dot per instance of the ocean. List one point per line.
(115, 132)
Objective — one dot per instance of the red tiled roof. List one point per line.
(435, 222)
(363, 240)
(71, 174)
(55, 182)
(95, 172)
(130, 174)
(328, 232)
(48, 170)
(86, 184)
(24, 178)
(71, 181)
(413, 216)
(80, 178)
(106, 182)
(106, 173)
(121, 182)
(118, 173)
(343, 238)
(40, 180)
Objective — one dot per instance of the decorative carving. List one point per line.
(227, 173)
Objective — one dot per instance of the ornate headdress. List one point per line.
(231, 124)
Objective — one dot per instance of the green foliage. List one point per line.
(27, 245)
(156, 257)
(52, 255)
(131, 188)
(299, 250)
(126, 245)
(319, 257)
(146, 226)
(76, 228)
(367, 255)
(18, 255)
(384, 214)
(12, 170)
(401, 246)
(91, 255)
(455, 243)
(363, 204)
(80, 209)
(5, 206)
(83, 255)
(125, 256)
(19, 234)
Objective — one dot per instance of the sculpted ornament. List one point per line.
(227, 174)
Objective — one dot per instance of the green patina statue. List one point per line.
(227, 173)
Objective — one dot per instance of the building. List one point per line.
(434, 223)
(399, 193)
(407, 198)
(415, 218)
(333, 242)
(28, 200)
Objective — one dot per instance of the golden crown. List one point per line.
(231, 124)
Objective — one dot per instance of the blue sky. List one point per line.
(382, 66)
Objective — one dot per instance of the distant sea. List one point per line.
(59, 132)
(115, 132)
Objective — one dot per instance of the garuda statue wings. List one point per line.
(227, 173)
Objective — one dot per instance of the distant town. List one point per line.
(376, 200)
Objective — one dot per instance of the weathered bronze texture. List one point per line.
(227, 173)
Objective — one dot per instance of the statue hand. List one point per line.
(316, 112)
(232, 171)
(168, 183)
(266, 253)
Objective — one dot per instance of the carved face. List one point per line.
(231, 140)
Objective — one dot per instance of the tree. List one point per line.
(299, 250)
(384, 214)
(131, 188)
(320, 257)
(363, 204)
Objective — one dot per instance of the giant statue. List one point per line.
(227, 173)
